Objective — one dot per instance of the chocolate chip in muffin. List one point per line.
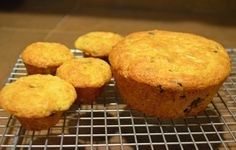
(196, 102)
(180, 84)
(215, 51)
(187, 110)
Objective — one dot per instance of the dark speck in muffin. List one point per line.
(152, 59)
(32, 86)
(187, 110)
(52, 114)
(161, 89)
(180, 84)
(151, 33)
(182, 97)
(196, 102)
(85, 67)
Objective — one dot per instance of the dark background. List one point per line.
(25, 21)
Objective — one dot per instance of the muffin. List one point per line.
(170, 74)
(87, 75)
(45, 57)
(97, 44)
(37, 101)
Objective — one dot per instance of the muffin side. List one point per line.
(37, 70)
(37, 124)
(88, 95)
(161, 102)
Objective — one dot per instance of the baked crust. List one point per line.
(36, 70)
(45, 54)
(87, 75)
(85, 72)
(37, 96)
(37, 124)
(169, 74)
(88, 95)
(164, 103)
(170, 58)
(97, 44)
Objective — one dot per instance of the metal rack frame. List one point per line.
(109, 124)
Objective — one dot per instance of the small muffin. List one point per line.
(169, 74)
(45, 57)
(37, 101)
(97, 44)
(87, 75)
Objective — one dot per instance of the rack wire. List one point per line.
(109, 124)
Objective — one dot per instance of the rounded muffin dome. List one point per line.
(85, 72)
(97, 44)
(170, 58)
(46, 54)
(37, 96)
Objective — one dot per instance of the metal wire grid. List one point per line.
(109, 124)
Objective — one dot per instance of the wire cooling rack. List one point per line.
(109, 124)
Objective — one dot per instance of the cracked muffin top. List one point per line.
(171, 59)
(37, 96)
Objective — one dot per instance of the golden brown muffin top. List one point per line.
(171, 59)
(85, 72)
(45, 54)
(37, 96)
(97, 44)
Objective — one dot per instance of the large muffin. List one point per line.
(169, 74)
(45, 57)
(87, 75)
(37, 100)
(97, 44)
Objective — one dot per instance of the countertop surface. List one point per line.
(65, 21)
